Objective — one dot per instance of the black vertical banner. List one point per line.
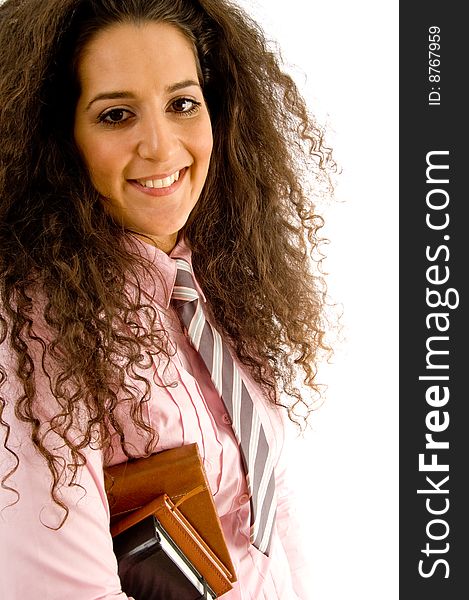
(434, 268)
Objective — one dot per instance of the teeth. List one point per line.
(160, 183)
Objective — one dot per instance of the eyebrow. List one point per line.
(118, 95)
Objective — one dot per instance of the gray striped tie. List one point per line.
(257, 458)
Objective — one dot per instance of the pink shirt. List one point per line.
(76, 562)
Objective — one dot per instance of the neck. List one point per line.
(163, 243)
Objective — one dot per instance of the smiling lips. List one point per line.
(162, 186)
(159, 183)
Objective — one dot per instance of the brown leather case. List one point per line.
(179, 474)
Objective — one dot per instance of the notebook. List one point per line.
(169, 493)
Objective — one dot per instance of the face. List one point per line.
(142, 127)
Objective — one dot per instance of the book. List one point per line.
(152, 567)
(169, 493)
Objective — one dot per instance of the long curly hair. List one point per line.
(66, 267)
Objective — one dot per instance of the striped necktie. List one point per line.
(247, 427)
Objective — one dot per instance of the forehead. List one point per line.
(124, 53)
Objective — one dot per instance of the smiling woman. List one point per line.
(143, 128)
(157, 286)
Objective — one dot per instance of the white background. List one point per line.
(343, 56)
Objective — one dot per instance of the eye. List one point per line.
(185, 106)
(115, 116)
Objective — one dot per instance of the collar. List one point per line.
(166, 266)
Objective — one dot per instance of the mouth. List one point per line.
(160, 186)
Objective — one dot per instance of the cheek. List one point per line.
(203, 140)
(204, 147)
(208, 146)
(102, 163)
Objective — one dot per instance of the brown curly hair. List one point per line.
(252, 233)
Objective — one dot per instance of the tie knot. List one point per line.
(184, 287)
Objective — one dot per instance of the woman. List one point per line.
(144, 141)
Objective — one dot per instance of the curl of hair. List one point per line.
(253, 232)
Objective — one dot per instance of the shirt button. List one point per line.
(226, 419)
(243, 499)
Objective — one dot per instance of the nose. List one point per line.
(157, 138)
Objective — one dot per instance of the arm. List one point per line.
(74, 562)
(290, 531)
